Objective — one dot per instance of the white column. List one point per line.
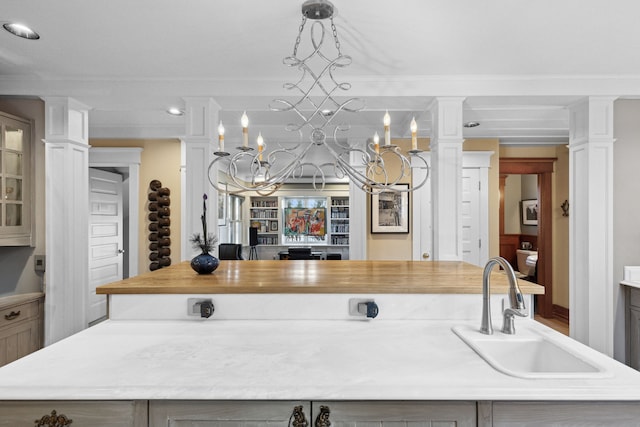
(66, 212)
(591, 288)
(421, 224)
(446, 178)
(197, 153)
(357, 212)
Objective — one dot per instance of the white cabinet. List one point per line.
(74, 413)
(15, 181)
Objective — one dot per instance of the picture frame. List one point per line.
(390, 211)
(222, 205)
(310, 222)
(273, 226)
(529, 212)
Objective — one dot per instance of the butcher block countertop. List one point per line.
(319, 277)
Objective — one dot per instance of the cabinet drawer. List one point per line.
(17, 313)
(634, 297)
(98, 413)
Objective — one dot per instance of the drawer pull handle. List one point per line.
(322, 420)
(12, 315)
(53, 420)
(297, 418)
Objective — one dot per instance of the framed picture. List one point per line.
(390, 211)
(222, 205)
(529, 212)
(300, 222)
(273, 226)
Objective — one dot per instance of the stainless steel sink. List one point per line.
(529, 354)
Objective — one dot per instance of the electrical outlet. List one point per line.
(362, 307)
(39, 262)
(200, 307)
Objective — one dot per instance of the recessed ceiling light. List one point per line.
(21, 30)
(471, 124)
(175, 111)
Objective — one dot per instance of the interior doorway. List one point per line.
(543, 169)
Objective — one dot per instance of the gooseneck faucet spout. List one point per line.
(516, 299)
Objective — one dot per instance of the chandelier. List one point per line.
(318, 109)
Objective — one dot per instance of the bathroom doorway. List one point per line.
(542, 168)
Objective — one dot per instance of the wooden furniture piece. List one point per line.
(21, 325)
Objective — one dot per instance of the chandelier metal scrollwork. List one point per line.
(317, 107)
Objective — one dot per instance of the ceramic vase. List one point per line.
(204, 263)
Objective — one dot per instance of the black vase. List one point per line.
(204, 263)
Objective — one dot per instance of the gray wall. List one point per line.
(626, 205)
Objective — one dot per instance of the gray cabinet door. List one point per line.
(85, 413)
(394, 414)
(225, 413)
(565, 414)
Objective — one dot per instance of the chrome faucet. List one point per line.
(516, 299)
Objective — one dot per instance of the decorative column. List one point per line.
(446, 178)
(591, 287)
(357, 211)
(201, 117)
(67, 217)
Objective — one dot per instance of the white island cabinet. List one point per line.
(296, 355)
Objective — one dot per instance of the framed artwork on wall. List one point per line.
(390, 211)
(529, 212)
(222, 206)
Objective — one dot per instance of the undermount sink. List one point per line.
(529, 354)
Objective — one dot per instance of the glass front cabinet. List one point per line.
(15, 182)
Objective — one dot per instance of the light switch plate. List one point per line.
(39, 262)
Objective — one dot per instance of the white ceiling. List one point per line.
(518, 63)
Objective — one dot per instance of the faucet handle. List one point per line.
(508, 324)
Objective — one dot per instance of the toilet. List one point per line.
(527, 261)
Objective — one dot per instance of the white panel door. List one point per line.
(105, 237)
(471, 215)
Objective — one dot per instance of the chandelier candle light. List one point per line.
(318, 111)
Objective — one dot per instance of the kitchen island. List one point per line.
(254, 369)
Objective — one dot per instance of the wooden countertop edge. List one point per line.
(458, 278)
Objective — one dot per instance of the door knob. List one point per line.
(120, 251)
(425, 255)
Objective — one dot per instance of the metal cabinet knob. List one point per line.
(425, 255)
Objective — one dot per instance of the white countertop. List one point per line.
(289, 360)
(631, 276)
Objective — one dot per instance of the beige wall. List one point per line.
(392, 246)
(17, 274)
(399, 246)
(160, 159)
(560, 224)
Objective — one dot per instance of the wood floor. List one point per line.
(556, 324)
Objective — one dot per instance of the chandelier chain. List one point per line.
(335, 36)
(295, 47)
